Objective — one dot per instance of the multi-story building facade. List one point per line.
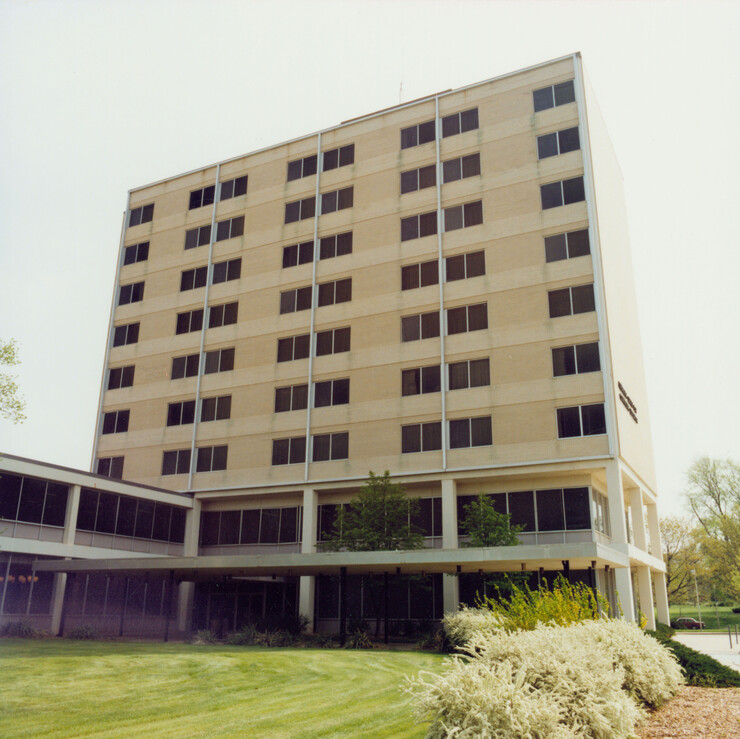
(442, 289)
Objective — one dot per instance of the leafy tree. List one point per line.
(11, 405)
(486, 527)
(378, 519)
(714, 498)
(682, 553)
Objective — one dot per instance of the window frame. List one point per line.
(202, 197)
(555, 295)
(235, 188)
(223, 314)
(580, 237)
(566, 197)
(560, 413)
(141, 214)
(566, 89)
(120, 377)
(139, 252)
(468, 373)
(117, 422)
(305, 339)
(131, 334)
(543, 142)
(133, 292)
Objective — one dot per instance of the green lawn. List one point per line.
(709, 615)
(58, 688)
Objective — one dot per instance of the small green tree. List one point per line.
(486, 527)
(11, 405)
(378, 519)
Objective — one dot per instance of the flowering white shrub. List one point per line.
(583, 680)
(652, 673)
(462, 625)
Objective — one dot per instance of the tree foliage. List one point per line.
(12, 404)
(378, 519)
(714, 498)
(682, 554)
(486, 527)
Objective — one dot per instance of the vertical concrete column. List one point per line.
(638, 519)
(656, 545)
(70, 517)
(186, 590)
(615, 495)
(645, 590)
(623, 586)
(450, 583)
(68, 539)
(307, 583)
(661, 598)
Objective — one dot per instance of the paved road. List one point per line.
(715, 645)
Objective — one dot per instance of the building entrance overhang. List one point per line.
(579, 556)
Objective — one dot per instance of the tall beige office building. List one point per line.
(442, 289)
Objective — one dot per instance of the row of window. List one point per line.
(327, 393)
(339, 157)
(30, 500)
(108, 513)
(423, 133)
(574, 421)
(329, 293)
(563, 302)
(299, 210)
(325, 448)
(225, 271)
(251, 526)
(336, 245)
(453, 169)
(455, 217)
(566, 360)
(229, 189)
(208, 459)
(225, 314)
(333, 341)
(559, 509)
(227, 229)
(211, 409)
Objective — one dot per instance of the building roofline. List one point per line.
(367, 116)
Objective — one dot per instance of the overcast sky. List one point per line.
(100, 97)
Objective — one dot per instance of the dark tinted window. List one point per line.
(550, 510)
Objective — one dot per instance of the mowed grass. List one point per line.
(709, 615)
(57, 688)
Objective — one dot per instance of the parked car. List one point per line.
(687, 623)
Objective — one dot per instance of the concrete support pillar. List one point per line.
(68, 538)
(450, 583)
(70, 517)
(57, 601)
(656, 545)
(638, 519)
(307, 583)
(450, 593)
(623, 586)
(186, 591)
(449, 514)
(645, 590)
(661, 598)
(185, 603)
(615, 495)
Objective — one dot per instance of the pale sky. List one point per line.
(97, 98)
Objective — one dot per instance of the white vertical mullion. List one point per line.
(314, 299)
(201, 352)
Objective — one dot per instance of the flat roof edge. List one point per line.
(366, 116)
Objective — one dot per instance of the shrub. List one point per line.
(204, 636)
(702, 670)
(435, 640)
(662, 633)
(245, 637)
(563, 604)
(358, 639)
(83, 632)
(20, 629)
(462, 625)
(736, 610)
(550, 681)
